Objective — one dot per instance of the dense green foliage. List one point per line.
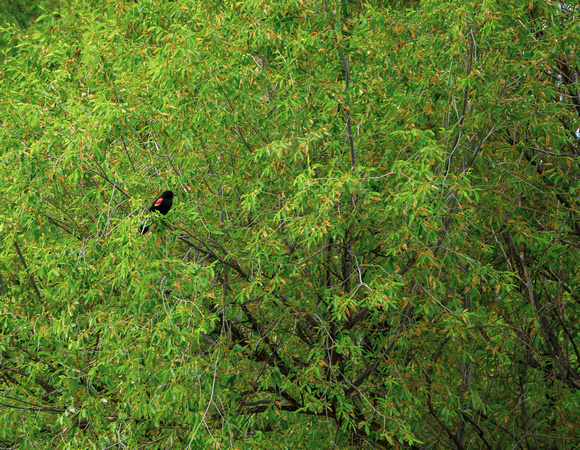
(376, 240)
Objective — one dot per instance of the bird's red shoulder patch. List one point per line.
(158, 201)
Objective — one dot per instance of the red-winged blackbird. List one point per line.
(162, 204)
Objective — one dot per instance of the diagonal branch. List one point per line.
(30, 277)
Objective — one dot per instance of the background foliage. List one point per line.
(376, 241)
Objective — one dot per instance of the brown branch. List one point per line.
(58, 223)
(230, 262)
(238, 129)
(440, 422)
(37, 408)
(45, 385)
(279, 362)
(27, 270)
(106, 178)
(346, 64)
(370, 369)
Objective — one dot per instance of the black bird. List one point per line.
(162, 204)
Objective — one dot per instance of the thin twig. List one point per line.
(31, 278)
